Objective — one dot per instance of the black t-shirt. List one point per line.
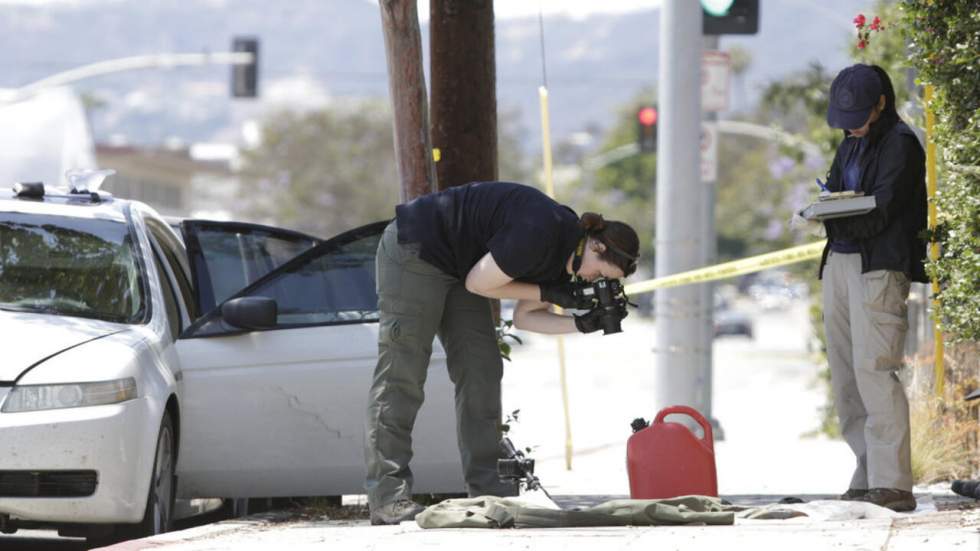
(529, 234)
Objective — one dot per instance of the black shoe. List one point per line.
(853, 494)
(896, 500)
(967, 488)
(395, 512)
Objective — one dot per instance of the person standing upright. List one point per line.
(867, 266)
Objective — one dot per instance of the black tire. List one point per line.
(158, 516)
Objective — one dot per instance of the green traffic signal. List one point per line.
(717, 8)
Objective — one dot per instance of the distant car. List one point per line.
(143, 365)
(732, 322)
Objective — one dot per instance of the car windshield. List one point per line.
(69, 266)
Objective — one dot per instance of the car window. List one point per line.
(227, 257)
(70, 266)
(336, 287)
(169, 297)
(331, 284)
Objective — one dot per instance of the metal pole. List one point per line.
(679, 226)
(709, 251)
(110, 66)
(549, 185)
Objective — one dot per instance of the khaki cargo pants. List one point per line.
(417, 301)
(866, 319)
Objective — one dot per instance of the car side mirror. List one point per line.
(251, 312)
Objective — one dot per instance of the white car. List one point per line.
(136, 370)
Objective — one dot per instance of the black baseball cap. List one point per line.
(853, 94)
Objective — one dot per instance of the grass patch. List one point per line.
(944, 436)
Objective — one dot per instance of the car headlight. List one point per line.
(39, 397)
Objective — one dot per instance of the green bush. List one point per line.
(945, 49)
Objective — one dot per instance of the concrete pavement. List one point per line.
(953, 530)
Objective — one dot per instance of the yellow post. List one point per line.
(549, 187)
(940, 379)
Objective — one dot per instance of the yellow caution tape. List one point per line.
(731, 269)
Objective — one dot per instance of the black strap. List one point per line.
(577, 261)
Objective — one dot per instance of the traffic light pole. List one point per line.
(157, 61)
(679, 347)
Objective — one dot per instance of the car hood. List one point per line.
(27, 338)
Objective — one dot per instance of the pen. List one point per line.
(822, 186)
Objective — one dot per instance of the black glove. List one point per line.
(588, 322)
(566, 295)
(591, 321)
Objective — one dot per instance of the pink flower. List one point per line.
(862, 44)
(875, 23)
(859, 20)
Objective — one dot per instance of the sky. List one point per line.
(502, 8)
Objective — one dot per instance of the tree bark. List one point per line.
(406, 85)
(464, 95)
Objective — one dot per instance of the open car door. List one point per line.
(279, 411)
(225, 257)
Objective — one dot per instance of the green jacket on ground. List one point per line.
(495, 512)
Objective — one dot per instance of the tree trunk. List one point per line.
(406, 85)
(464, 95)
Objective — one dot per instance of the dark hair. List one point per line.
(889, 115)
(622, 244)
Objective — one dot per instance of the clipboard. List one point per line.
(838, 205)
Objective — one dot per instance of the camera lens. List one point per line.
(610, 322)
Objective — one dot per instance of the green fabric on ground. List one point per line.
(495, 512)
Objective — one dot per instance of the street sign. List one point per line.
(709, 152)
(715, 77)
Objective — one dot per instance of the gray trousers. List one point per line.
(417, 301)
(866, 318)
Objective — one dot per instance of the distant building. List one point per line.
(175, 182)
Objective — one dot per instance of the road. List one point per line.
(766, 398)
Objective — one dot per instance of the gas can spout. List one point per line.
(639, 424)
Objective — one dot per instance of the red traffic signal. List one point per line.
(647, 116)
(646, 128)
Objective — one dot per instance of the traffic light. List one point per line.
(730, 16)
(245, 78)
(646, 129)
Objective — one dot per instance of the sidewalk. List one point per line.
(765, 398)
(942, 530)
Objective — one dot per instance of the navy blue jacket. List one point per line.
(893, 170)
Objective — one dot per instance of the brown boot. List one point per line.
(853, 494)
(896, 500)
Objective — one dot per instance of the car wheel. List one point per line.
(158, 517)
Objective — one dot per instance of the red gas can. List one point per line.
(666, 459)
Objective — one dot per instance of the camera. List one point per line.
(611, 301)
(516, 467)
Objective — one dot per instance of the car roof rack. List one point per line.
(38, 191)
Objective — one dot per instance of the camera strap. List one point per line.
(577, 261)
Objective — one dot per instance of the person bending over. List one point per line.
(439, 262)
